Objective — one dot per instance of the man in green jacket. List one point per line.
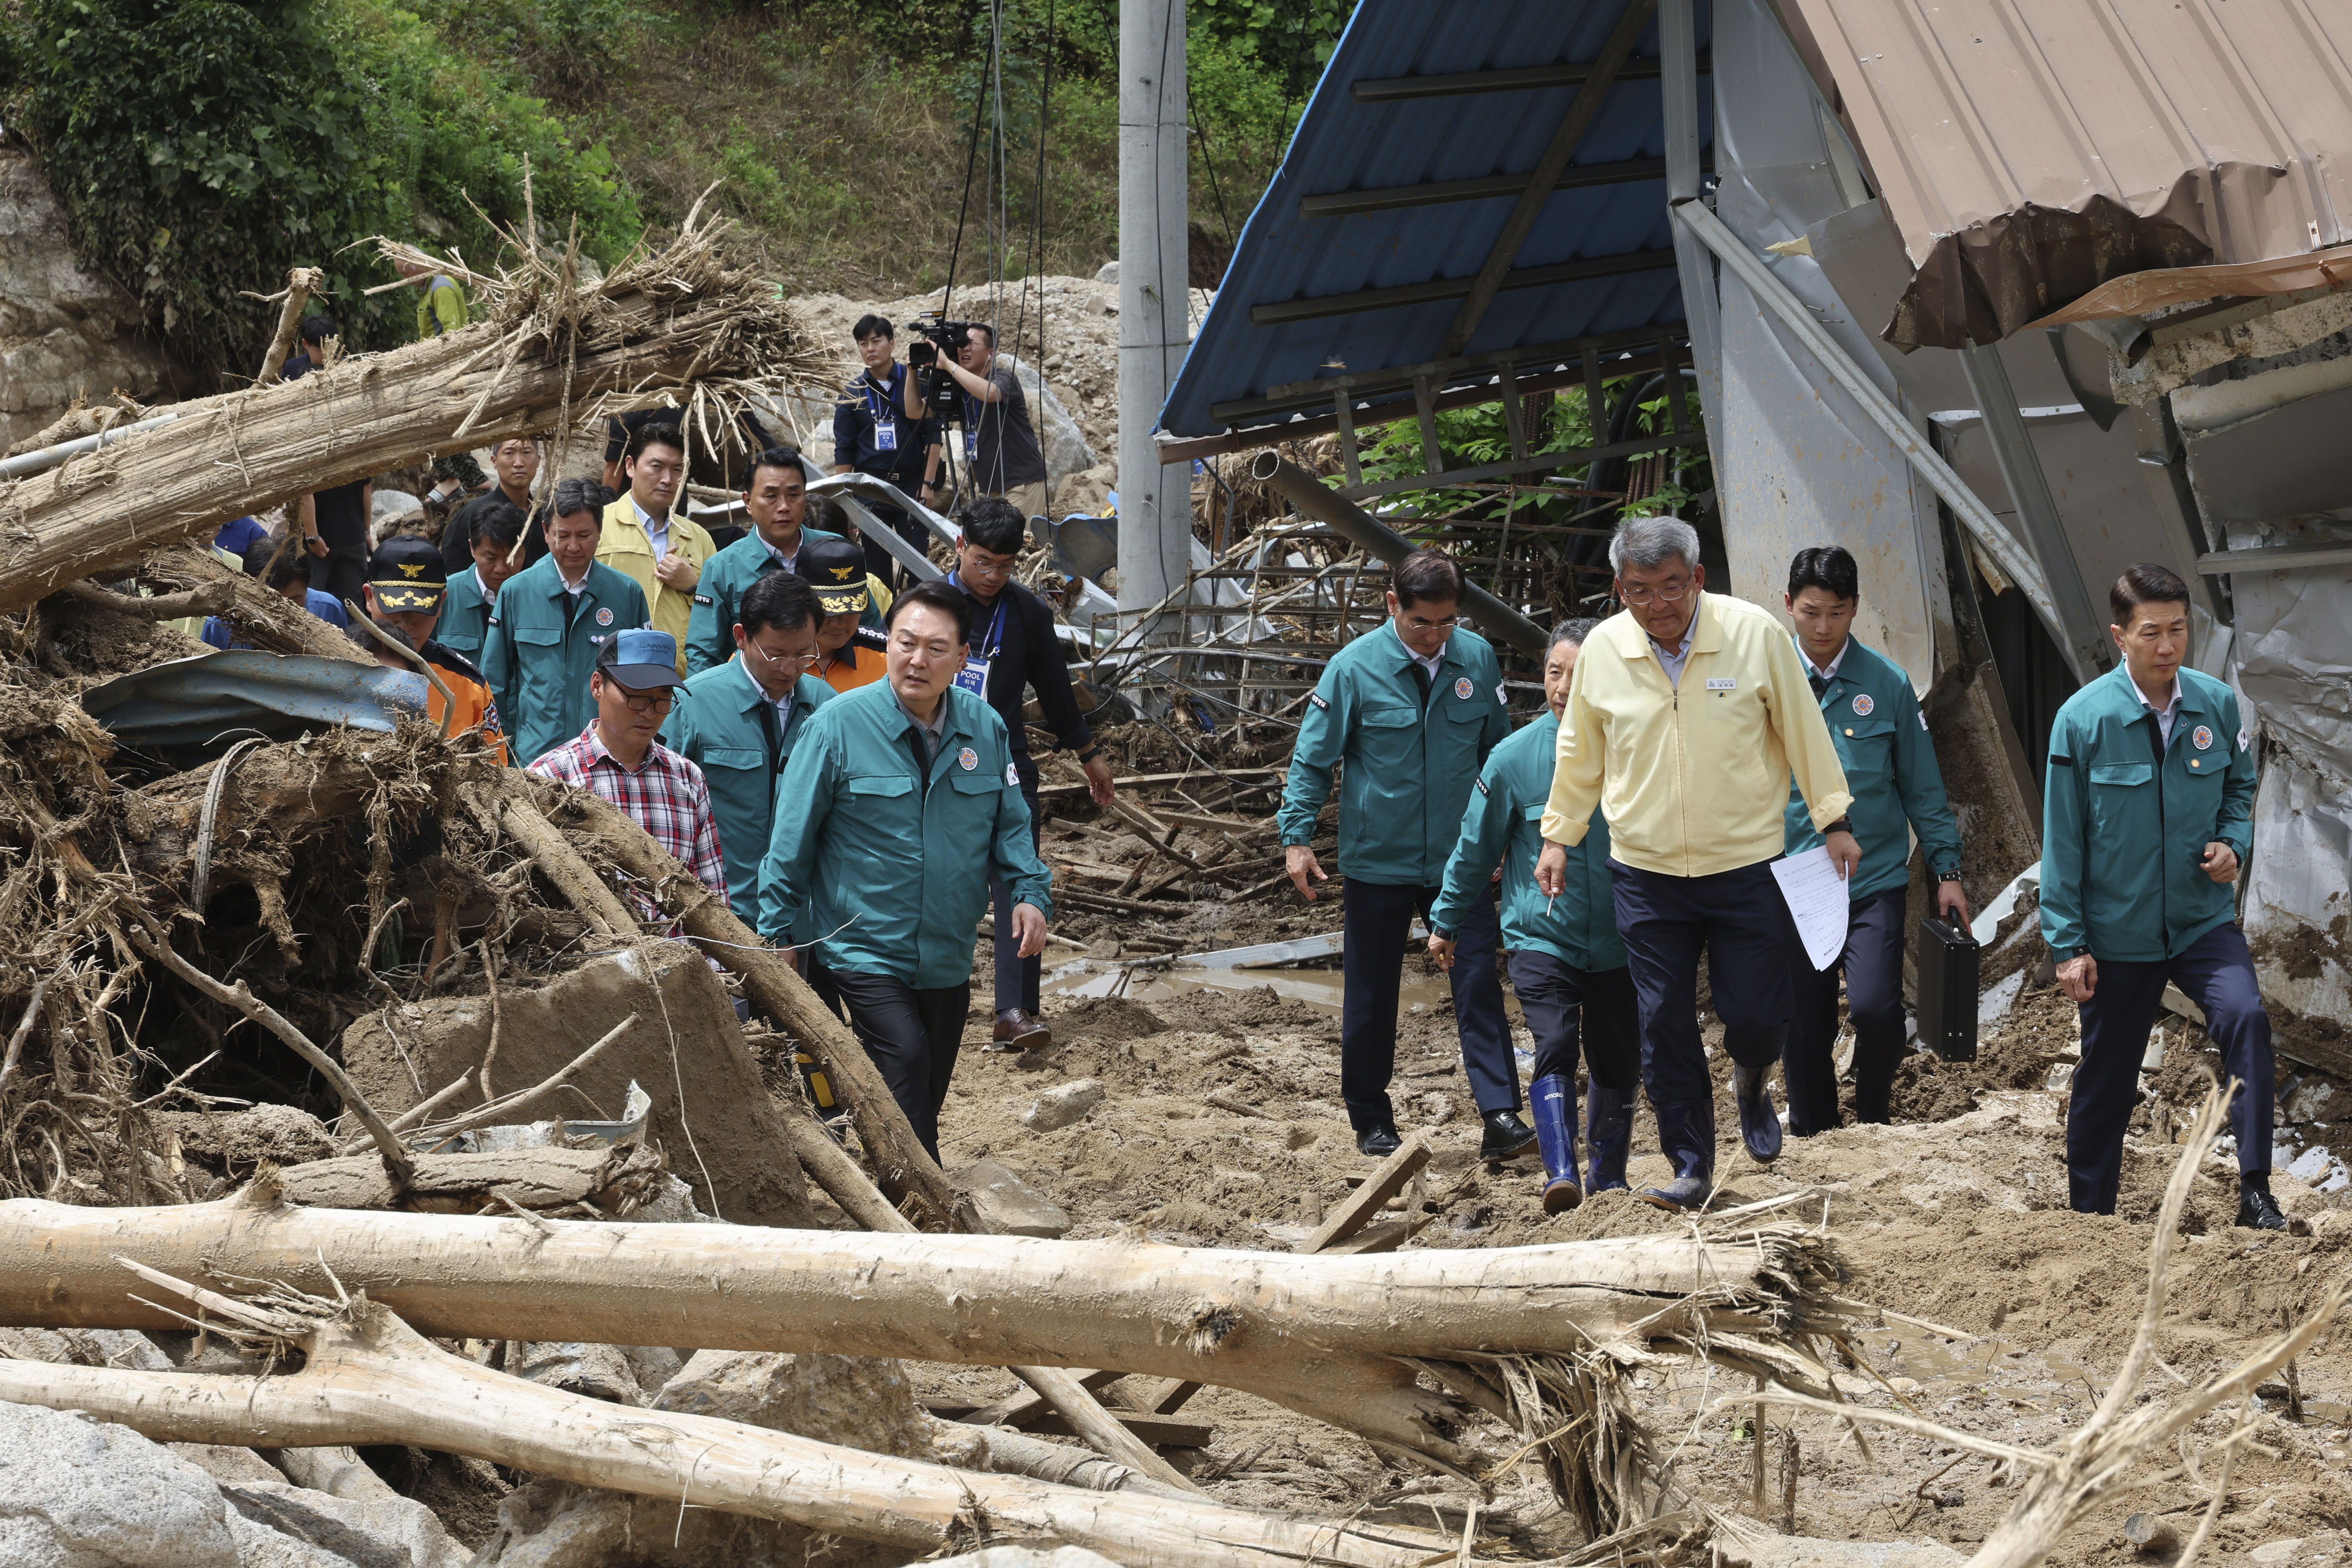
(775, 497)
(740, 721)
(465, 610)
(1890, 769)
(900, 800)
(1567, 963)
(441, 307)
(540, 644)
(2147, 816)
(1412, 709)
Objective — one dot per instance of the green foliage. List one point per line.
(202, 147)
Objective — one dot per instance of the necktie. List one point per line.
(1420, 680)
(775, 736)
(1819, 684)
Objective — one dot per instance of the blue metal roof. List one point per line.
(1343, 145)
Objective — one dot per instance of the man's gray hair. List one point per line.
(1644, 543)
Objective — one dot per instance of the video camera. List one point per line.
(938, 389)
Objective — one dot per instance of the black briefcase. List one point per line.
(1947, 990)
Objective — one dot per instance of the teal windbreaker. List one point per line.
(1503, 823)
(716, 724)
(1890, 768)
(1406, 767)
(540, 648)
(465, 615)
(725, 577)
(2125, 819)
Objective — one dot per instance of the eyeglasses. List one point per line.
(1664, 595)
(802, 659)
(1423, 623)
(647, 701)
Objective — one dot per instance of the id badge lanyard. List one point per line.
(973, 676)
(886, 424)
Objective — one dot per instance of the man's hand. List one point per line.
(2078, 977)
(1441, 948)
(2220, 862)
(315, 545)
(1951, 902)
(1300, 862)
(1845, 854)
(676, 572)
(793, 957)
(1099, 783)
(1029, 929)
(1552, 869)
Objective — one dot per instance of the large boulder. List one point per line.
(89, 1494)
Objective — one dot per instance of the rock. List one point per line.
(384, 1533)
(1063, 1104)
(258, 1546)
(599, 1371)
(228, 1464)
(1010, 1206)
(2271, 1552)
(1058, 436)
(1757, 1548)
(90, 1494)
(1107, 273)
(858, 1402)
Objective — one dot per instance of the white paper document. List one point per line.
(1816, 896)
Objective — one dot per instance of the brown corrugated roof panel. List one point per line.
(2031, 151)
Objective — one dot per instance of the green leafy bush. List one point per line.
(202, 147)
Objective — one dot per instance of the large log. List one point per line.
(678, 316)
(266, 620)
(372, 1380)
(1323, 1335)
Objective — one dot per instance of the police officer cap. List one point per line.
(406, 574)
(836, 568)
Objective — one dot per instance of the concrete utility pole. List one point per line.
(1155, 502)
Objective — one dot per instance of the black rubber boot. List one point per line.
(1552, 1103)
(1760, 1124)
(1608, 1136)
(1687, 1136)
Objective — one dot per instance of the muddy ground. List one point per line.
(1955, 1215)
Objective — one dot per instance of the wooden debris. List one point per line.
(614, 1180)
(1357, 1208)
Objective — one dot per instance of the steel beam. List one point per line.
(2274, 558)
(1487, 187)
(1686, 164)
(1436, 289)
(2080, 635)
(1537, 191)
(1518, 78)
(1973, 514)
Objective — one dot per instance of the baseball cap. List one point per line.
(836, 568)
(406, 574)
(640, 659)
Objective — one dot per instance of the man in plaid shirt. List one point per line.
(618, 757)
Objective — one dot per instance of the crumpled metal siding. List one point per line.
(2032, 149)
(1343, 145)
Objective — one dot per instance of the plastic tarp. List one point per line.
(204, 705)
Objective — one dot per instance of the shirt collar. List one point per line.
(645, 519)
(656, 756)
(2170, 707)
(938, 727)
(1829, 674)
(781, 559)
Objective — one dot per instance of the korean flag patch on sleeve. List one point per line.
(1012, 776)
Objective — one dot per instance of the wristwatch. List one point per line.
(1843, 825)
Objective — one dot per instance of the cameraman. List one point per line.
(875, 430)
(1000, 444)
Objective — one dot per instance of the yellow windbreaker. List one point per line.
(627, 549)
(1693, 779)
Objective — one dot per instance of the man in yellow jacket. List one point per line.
(1689, 715)
(662, 551)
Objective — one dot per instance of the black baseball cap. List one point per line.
(406, 574)
(836, 568)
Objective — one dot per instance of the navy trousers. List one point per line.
(1574, 1011)
(1018, 980)
(1377, 918)
(1738, 919)
(2217, 973)
(913, 1036)
(1873, 965)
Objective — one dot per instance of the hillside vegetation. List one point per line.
(201, 147)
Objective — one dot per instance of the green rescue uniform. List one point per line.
(540, 648)
(728, 576)
(890, 862)
(1409, 764)
(465, 615)
(1890, 767)
(441, 307)
(716, 724)
(2126, 820)
(1503, 823)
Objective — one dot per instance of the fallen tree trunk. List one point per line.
(1337, 1338)
(374, 1380)
(614, 1180)
(544, 350)
(270, 622)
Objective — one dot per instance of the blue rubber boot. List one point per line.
(1552, 1103)
(1686, 1137)
(1608, 1136)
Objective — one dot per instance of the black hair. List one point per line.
(579, 495)
(871, 325)
(984, 327)
(1426, 574)
(824, 514)
(500, 523)
(939, 596)
(995, 525)
(650, 433)
(1577, 629)
(293, 562)
(317, 328)
(2146, 582)
(783, 455)
(1829, 567)
(390, 632)
(779, 599)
